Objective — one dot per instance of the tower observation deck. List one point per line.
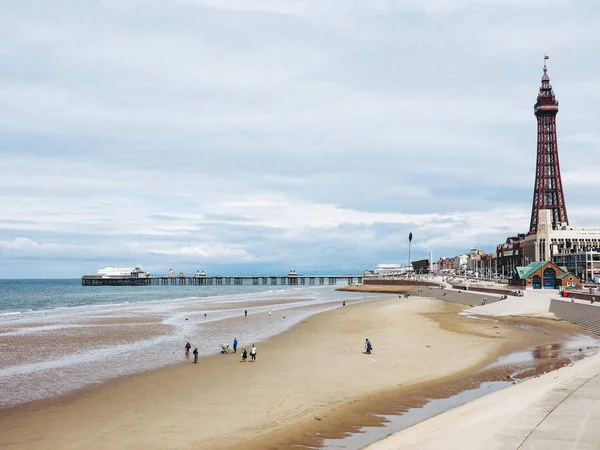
(548, 191)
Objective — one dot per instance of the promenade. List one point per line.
(557, 410)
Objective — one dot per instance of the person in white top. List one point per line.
(253, 353)
(269, 313)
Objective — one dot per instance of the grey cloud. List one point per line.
(131, 126)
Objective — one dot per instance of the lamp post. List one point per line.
(409, 243)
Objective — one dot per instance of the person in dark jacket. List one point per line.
(195, 352)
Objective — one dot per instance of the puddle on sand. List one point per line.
(369, 435)
(575, 348)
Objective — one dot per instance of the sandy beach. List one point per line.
(310, 382)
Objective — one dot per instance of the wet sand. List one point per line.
(313, 378)
(53, 352)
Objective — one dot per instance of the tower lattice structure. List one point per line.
(548, 191)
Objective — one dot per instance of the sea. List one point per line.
(57, 336)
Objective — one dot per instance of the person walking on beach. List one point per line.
(187, 350)
(344, 303)
(253, 353)
(244, 354)
(235, 345)
(269, 313)
(368, 347)
(195, 355)
(246, 313)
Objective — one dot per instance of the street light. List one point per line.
(409, 243)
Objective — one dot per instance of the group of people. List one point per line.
(227, 349)
(244, 351)
(252, 354)
(224, 350)
(195, 352)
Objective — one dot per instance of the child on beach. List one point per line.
(187, 350)
(253, 352)
(368, 347)
(244, 354)
(195, 355)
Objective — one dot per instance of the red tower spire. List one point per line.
(548, 191)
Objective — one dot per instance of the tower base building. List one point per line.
(556, 244)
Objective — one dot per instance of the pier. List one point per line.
(233, 280)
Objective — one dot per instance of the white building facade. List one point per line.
(548, 243)
(585, 265)
(461, 262)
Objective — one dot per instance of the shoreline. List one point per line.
(186, 295)
(290, 365)
(71, 349)
(182, 362)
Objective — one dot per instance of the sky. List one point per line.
(259, 136)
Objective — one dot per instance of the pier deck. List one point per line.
(239, 280)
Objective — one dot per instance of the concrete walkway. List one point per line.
(571, 416)
(556, 411)
(532, 302)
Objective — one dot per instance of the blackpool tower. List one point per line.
(548, 191)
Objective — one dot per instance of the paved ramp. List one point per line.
(584, 316)
(462, 297)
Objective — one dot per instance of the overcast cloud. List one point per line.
(258, 136)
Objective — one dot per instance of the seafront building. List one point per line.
(544, 275)
(509, 255)
(421, 266)
(387, 271)
(584, 264)
(550, 244)
(118, 272)
(445, 264)
(460, 263)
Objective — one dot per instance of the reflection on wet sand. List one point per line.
(547, 351)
